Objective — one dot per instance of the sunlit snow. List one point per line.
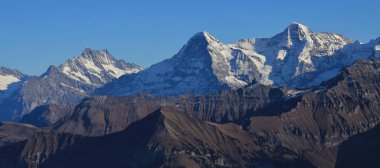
(6, 80)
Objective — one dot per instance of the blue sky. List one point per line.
(35, 34)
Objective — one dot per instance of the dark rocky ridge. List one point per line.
(46, 115)
(13, 132)
(102, 115)
(324, 118)
(166, 138)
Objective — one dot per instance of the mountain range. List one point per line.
(296, 57)
(65, 85)
(255, 126)
(298, 99)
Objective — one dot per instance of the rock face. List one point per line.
(296, 57)
(66, 85)
(103, 115)
(326, 117)
(11, 133)
(46, 115)
(34, 151)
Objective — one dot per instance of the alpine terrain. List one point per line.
(298, 99)
(296, 57)
(64, 85)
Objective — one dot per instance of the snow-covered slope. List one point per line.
(9, 81)
(6, 80)
(97, 67)
(203, 65)
(296, 57)
(295, 53)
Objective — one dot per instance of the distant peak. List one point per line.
(51, 70)
(95, 55)
(202, 33)
(297, 24)
(203, 36)
(295, 32)
(207, 35)
(89, 51)
(298, 27)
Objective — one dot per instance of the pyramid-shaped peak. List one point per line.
(97, 56)
(52, 70)
(298, 24)
(296, 27)
(198, 45)
(202, 33)
(91, 52)
(294, 33)
(203, 36)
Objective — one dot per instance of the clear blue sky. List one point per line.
(37, 33)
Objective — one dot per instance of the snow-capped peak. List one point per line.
(208, 36)
(291, 52)
(205, 35)
(294, 34)
(203, 65)
(97, 56)
(201, 38)
(97, 67)
(295, 57)
(298, 27)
